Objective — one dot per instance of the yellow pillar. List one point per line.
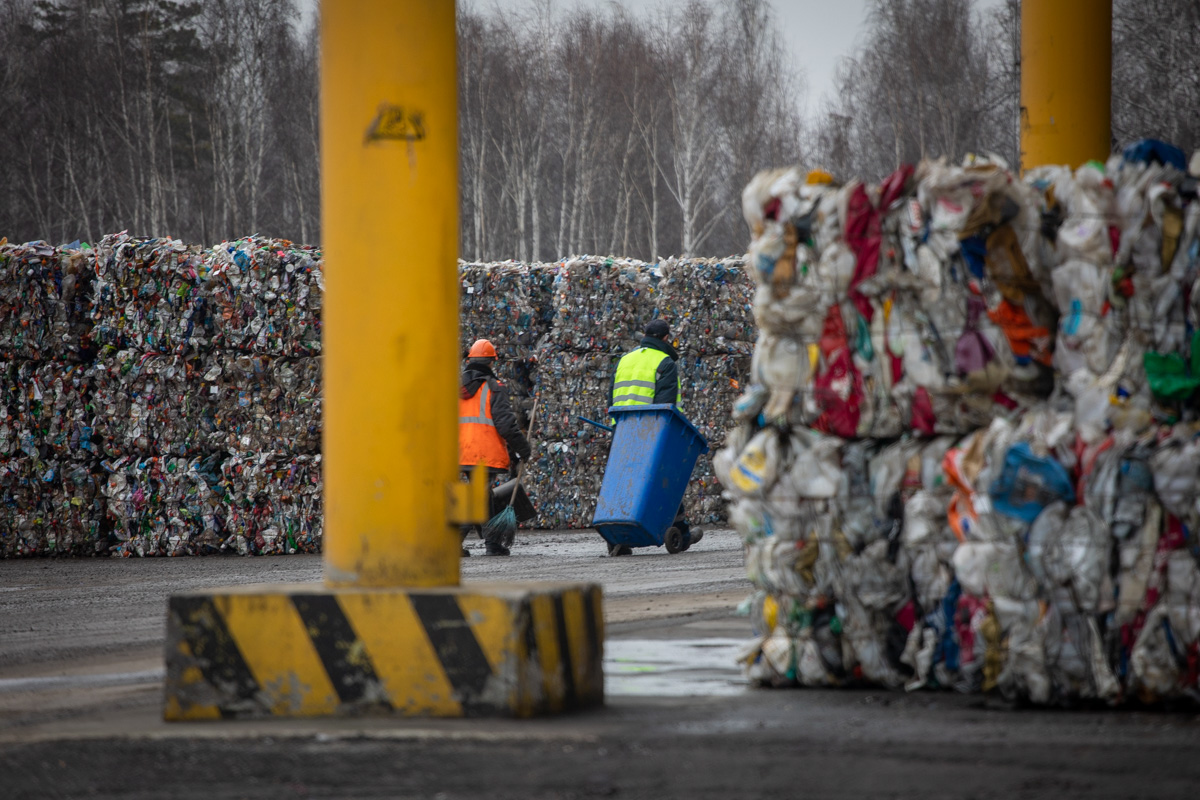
(389, 169)
(1066, 81)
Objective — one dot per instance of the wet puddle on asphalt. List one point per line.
(632, 667)
(673, 667)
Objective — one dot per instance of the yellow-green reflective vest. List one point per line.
(634, 381)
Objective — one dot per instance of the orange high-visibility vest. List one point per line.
(478, 439)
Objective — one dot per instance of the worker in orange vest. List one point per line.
(488, 431)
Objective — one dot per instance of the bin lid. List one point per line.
(660, 408)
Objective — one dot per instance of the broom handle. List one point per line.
(521, 466)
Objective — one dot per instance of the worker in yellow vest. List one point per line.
(650, 375)
(488, 431)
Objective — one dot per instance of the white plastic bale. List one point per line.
(1182, 596)
(1154, 670)
(1099, 426)
(1176, 468)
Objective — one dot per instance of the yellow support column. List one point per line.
(1066, 82)
(389, 200)
(390, 630)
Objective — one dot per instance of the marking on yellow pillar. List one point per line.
(406, 663)
(278, 650)
(396, 123)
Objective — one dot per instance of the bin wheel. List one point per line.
(673, 539)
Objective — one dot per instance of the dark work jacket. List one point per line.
(666, 377)
(503, 416)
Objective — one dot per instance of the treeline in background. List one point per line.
(582, 130)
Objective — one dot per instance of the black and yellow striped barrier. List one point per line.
(485, 650)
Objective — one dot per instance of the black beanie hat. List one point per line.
(658, 328)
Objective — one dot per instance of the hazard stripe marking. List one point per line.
(531, 646)
(529, 699)
(592, 623)
(593, 617)
(545, 631)
(581, 654)
(342, 653)
(570, 699)
(215, 651)
(276, 647)
(400, 651)
(185, 676)
(435, 652)
(463, 660)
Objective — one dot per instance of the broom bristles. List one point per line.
(501, 526)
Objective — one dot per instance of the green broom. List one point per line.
(503, 527)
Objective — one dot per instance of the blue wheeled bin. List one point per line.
(654, 451)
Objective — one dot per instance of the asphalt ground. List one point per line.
(81, 691)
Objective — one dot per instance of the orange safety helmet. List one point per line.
(482, 349)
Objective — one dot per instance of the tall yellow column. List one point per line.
(389, 178)
(390, 631)
(1066, 81)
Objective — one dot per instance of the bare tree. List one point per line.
(475, 90)
(1156, 72)
(933, 78)
(584, 130)
(695, 70)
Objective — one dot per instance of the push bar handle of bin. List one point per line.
(616, 411)
(599, 425)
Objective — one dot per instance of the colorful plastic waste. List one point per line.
(160, 398)
(969, 457)
(599, 308)
(165, 399)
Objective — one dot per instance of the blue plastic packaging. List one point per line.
(1027, 484)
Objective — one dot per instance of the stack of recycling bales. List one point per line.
(707, 303)
(599, 308)
(163, 398)
(160, 398)
(44, 306)
(510, 304)
(969, 456)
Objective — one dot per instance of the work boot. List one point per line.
(496, 549)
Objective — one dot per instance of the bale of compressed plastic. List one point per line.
(45, 301)
(1029, 534)
(179, 360)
